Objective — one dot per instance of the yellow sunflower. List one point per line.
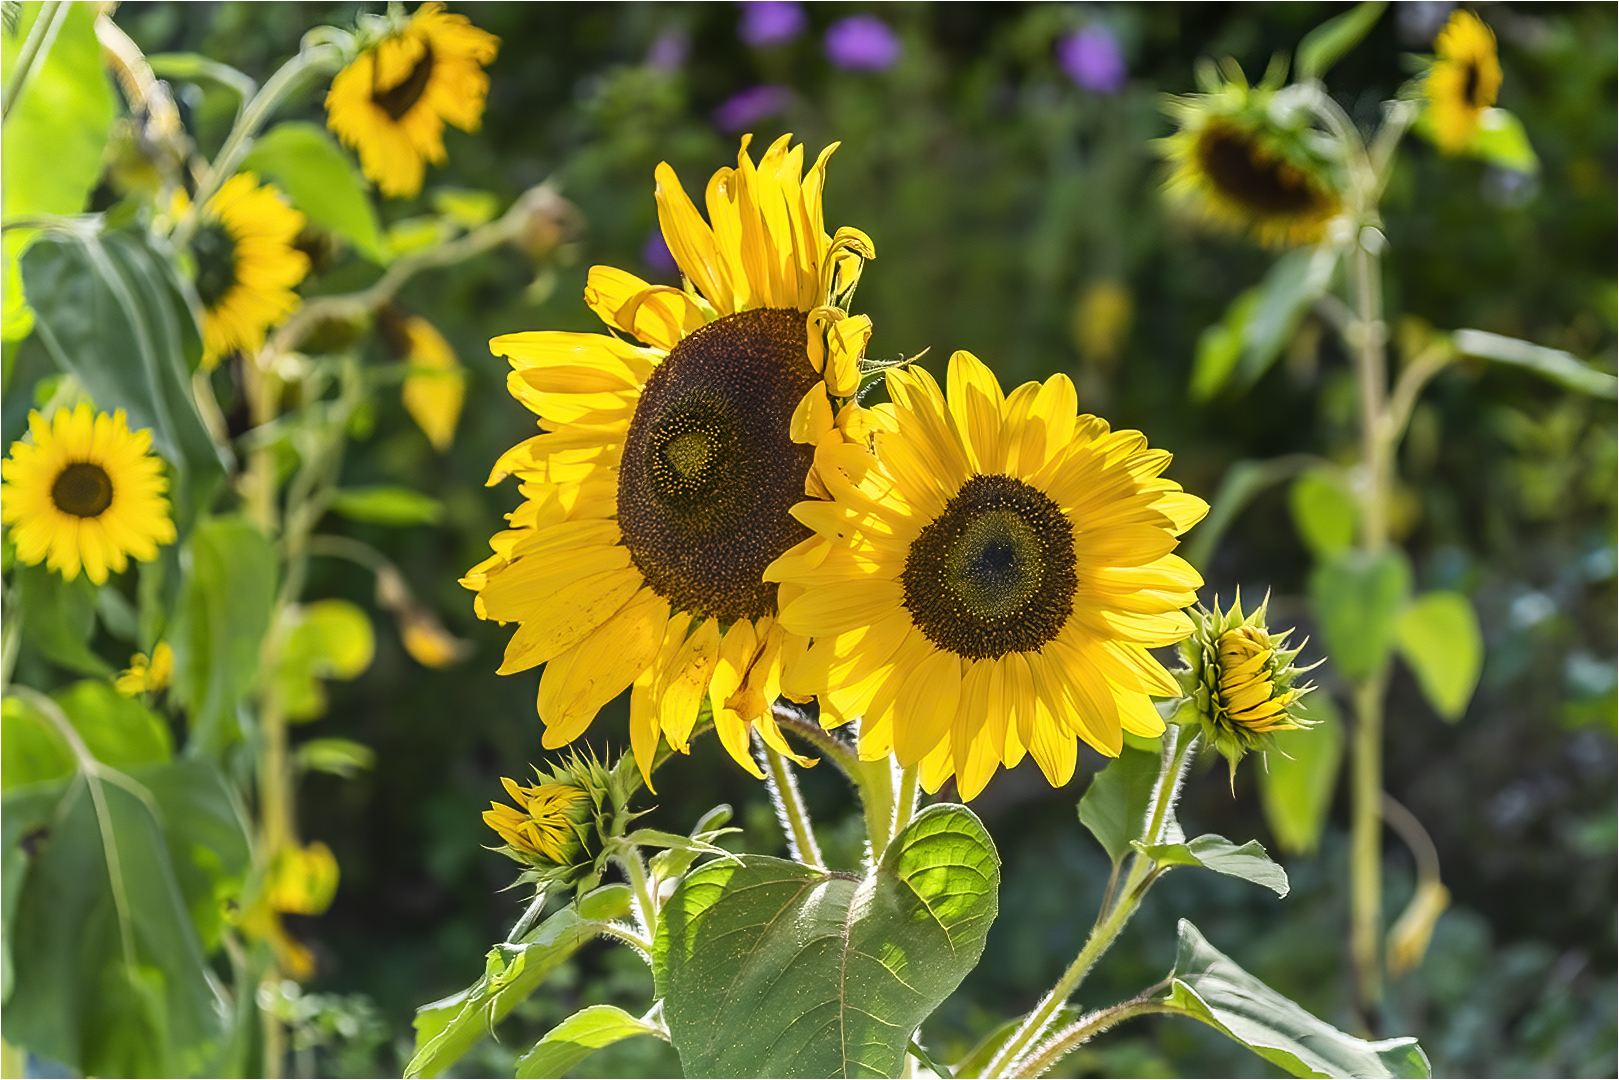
(86, 492)
(391, 103)
(662, 484)
(1242, 161)
(246, 265)
(1463, 82)
(988, 583)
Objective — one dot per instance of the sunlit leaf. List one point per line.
(321, 181)
(387, 504)
(1208, 986)
(328, 639)
(58, 618)
(870, 959)
(1555, 365)
(1440, 639)
(1248, 862)
(1326, 44)
(1323, 512)
(1502, 141)
(577, 1037)
(340, 757)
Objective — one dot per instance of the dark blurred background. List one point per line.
(1014, 201)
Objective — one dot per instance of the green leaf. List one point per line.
(1358, 597)
(1327, 43)
(58, 618)
(206, 829)
(1261, 322)
(386, 504)
(1324, 513)
(1207, 986)
(577, 1037)
(321, 181)
(1114, 807)
(194, 67)
(110, 311)
(223, 611)
(1297, 782)
(54, 136)
(1440, 639)
(117, 730)
(328, 639)
(1501, 140)
(467, 207)
(110, 977)
(32, 751)
(1559, 367)
(340, 757)
(869, 959)
(1248, 862)
(448, 1028)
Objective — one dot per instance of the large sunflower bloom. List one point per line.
(392, 102)
(87, 492)
(662, 484)
(246, 265)
(989, 582)
(1463, 82)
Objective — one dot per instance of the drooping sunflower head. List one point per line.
(1463, 81)
(86, 492)
(1245, 158)
(987, 583)
(247, 265)
(392, 102)
(1239, 681)
(560, 826)
(663, 483)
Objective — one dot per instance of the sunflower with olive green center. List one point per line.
(661, 486)
(1463, 81)
(988, 583)
(86, 492)
(246, 265)
(1248, 158)
(392, 102)
(560, 827)
(1239, 682)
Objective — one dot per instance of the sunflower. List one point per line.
(662, 484)
(391, 103)
(246, 265)
(1239, 681)
(1245, 159)
(87, 492)
(1463, 82)
(988, 582)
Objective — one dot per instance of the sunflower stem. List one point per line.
(790, 809)
(1177, 752)
(635, 870)
(1086, 1028)
(316, 59)
(35, 48)
(876, 785)
(910, 793)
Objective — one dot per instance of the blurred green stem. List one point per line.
(1009, 1060)
(1366, 782)
(35, 48)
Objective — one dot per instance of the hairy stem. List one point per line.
(1008, 1061)
(790, 809)
(1086, 1028)
(35, 48)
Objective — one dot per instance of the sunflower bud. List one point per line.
(561, 826)
(1239, 681)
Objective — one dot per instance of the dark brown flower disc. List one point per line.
(83, 489)
(994, 572)
(1244, 172)
(709, 472)
(398, 100)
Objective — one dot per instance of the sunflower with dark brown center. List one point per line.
(246, 264)
(1242, 161)
(986, 583)
(661, 486)
(392, 102)
(1463, 82)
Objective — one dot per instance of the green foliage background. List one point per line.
(997, 193)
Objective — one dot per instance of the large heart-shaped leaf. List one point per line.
(769, 968)
(1209, 987)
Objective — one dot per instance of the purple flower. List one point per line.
(771, 22)
(861, 43)
(747, 108)
(655, 254)
(668, 52)
(1092, 59)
